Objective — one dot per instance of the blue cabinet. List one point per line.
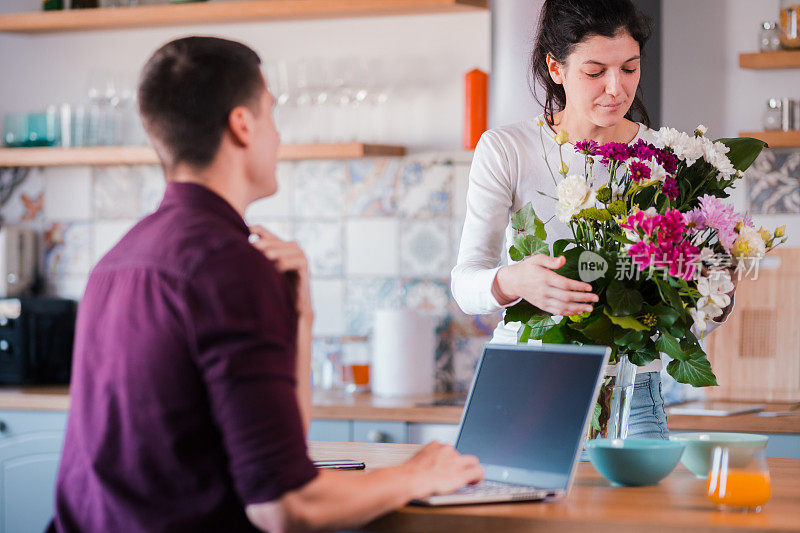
(330, 430)
(30, 448)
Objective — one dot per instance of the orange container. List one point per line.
(476, 91)
(740, 488)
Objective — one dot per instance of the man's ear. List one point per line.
(556, 69)
(241, 124)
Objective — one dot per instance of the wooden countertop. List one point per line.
(677, 504)
(365, 406)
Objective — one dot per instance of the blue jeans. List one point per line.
(648, 419)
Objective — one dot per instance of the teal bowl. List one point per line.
(700, 447)
(634, 462)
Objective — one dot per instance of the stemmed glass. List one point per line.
(739, 479)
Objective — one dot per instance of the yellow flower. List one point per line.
(563, 169)
(539, 123)
(562, 137)
(739, 226)
(780, 232)
(764, 234)
(741, 248)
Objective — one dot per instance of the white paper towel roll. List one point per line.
(403, 353)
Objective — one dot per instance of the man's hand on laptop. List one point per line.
(289, 259)
(439, 469)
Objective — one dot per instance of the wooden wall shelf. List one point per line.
(219, 12)
(770, 60)
(776, 139)
(142, 155)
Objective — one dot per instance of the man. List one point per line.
(190, 390)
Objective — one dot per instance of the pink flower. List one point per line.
(714, 214)
(664, 243)
(642, 150)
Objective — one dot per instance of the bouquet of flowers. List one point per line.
(655, 241)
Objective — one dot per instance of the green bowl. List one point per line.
(700, 447)
(634, 461)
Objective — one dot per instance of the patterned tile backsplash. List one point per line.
(773, 182)
(378, 232)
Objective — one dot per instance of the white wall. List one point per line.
(40, 69)
(702, 81)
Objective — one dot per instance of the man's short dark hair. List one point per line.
(187, 91)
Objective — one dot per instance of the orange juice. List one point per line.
(360, 375)
(741, 488)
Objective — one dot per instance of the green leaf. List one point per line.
(555, 335)
(598, 329)
(622, 238)
(618, 208)
(695, 372)
(669, 292)
(625, 322)
(592, 213)
(539, 231)
(570, 268)
(669, 345)
(623, 300)
(530, 245)
(515, 254)
(643, 357)
(630, 336)
(666, 316)
(559, 246)
(596, 417)
(523, 311)
(523, 220)
(604, 194)
(524, 334)
(743, 151)
(539, 325)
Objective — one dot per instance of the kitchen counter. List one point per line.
(418, 409)
(677, 504)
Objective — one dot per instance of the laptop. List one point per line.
(526, 419)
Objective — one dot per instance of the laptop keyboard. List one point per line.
(494, 488)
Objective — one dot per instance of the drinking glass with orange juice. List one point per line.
(739, 479)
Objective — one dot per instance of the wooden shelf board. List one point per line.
(776, 139)
(142, 155)
(769, 60)
(220, 12)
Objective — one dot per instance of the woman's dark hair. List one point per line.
(187, 90)
(564, 24)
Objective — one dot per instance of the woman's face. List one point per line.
(600, 78)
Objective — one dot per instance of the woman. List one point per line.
(587, 58)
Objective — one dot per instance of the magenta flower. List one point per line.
(667, 160)
(670, 188)
(642, 150)
(614, 152)
(586, 147)
(639, 171)
(663, 243)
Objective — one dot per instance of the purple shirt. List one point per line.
(183, 387)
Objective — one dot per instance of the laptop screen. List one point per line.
(527, 409)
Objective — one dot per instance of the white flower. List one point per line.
(714, 153)
(702, 129)
(749, 243)
(709, 257)
(700, 319)
(574, 195)
(666, 137)
(714, 291)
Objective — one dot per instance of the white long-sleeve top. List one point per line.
(508, 171)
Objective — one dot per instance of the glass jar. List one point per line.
(769, 37)
(790, 24)
(773, 114)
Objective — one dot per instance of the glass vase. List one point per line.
(614, 401)
(621, 398)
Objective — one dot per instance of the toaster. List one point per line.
(36, 336)
(17, 260)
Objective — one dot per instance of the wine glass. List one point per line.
(739, 479)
